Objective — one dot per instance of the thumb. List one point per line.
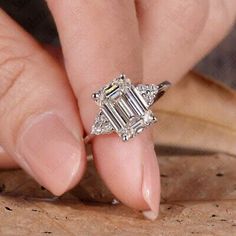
(38, 116)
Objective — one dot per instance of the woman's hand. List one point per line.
(45, 107)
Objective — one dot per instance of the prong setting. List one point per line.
(95, 96)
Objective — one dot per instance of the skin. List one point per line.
(46, 108)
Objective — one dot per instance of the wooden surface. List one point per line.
(21, 217)
(198, 198)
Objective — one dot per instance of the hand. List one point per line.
(46, 110)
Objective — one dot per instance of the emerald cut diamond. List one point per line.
(124, 108)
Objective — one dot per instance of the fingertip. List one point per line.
(127, 168)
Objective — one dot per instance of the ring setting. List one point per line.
(125, 107)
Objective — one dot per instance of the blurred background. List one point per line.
(34, 16)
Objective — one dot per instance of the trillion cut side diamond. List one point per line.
(101, 125)
(124, 108)
(149, 92)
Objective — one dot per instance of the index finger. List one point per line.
(100, 39)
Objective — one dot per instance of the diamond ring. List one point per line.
(124, 107)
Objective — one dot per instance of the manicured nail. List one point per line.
(150, 215)
(151, 188)
(50, 153)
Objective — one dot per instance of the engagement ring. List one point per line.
(124, 107)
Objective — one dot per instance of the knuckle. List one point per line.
(17, 92)
(12, 80)
(11, 69)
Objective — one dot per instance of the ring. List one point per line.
(124, 107)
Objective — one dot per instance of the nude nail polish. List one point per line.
(54, 157)
(151, 188)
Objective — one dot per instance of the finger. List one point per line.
(177, 34)
(101, 42)
(38, 116)
(6, 162)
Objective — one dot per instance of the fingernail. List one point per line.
(151, 188)
(150, 215)
(51, 153)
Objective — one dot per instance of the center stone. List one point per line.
(125, 108)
